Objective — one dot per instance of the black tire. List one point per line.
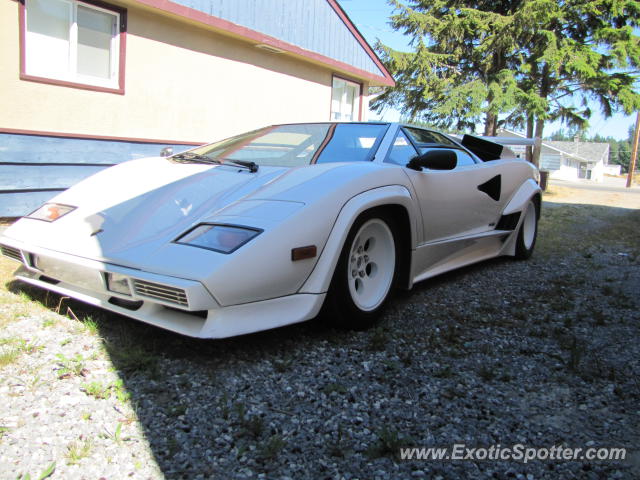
(366, 272)
(528, 232)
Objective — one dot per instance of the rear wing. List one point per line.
(484, 149)
(487, 147)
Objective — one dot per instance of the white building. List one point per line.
(569, 160)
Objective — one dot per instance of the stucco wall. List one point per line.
(182, 83)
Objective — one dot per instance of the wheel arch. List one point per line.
(396, 201)
(529, 191)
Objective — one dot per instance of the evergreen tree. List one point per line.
(527, 61)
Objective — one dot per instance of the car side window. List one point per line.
(427, 136)
(402, 151)
(464, 159)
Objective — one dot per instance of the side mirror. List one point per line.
(166, 152)
(436, 159)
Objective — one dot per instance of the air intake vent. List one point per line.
(11, 252)
(165, 293)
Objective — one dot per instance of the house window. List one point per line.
(73, 42)
(345, 100)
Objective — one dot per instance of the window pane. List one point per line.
(352, 143)
(285, 145)
(402, 151)
(95, 33)
(299, 144)
(47, 39)
(427, 136)
(344, 100)
(336, 99)
(464, 159)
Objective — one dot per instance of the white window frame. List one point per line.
(72, 75)
(337, 115)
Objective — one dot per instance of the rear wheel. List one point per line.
(366, 272)
(528, 232)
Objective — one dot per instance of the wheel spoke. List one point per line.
(372, 264)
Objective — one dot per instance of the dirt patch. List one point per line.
(621, 199)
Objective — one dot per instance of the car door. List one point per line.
(454, 203)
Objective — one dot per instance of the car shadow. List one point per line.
(196, 400)
(162, 372)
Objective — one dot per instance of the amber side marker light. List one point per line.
(302, 253)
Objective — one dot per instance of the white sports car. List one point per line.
(265, 228)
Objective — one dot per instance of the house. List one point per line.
(569, 160)
(574, 160)
(90, 83)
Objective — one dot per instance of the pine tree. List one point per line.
(523, 61)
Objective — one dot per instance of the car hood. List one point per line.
(141, 203)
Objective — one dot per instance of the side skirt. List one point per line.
(434, 258)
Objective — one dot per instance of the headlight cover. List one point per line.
(218, 237)
(50, 212)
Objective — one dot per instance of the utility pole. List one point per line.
(634, 152)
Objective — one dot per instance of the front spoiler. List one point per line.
(202, 317)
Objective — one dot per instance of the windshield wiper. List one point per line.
(252, 166)
(196, 157)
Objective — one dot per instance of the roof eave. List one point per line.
(240, 32)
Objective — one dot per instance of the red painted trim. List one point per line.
(22, 28)
(16, 131)
(64, 83)
(247, 33)
(351, 80)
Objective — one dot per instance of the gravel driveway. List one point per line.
(540, 353)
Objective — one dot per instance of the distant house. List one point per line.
(90, 83)
(574, 160)
(571, 160)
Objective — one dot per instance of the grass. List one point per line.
(46, 473)
(71, 367)
(77, 450)
(11, 349)
(329, 388)
(272, 447)
(388, 443)
(281, 365)
(97, 390)
(130, 357)
(378, 340)
(102, 391)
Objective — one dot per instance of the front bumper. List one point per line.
(180, 305)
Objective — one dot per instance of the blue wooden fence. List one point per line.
(34, 168)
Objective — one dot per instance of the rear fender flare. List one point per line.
(519, 200)
(518, 203)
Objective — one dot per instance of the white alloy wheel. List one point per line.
(529, 226)
(371, 265)
(526, 239)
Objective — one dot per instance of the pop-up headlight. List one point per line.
(50, 212)
(220, 238)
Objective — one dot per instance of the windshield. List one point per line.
(298, 144)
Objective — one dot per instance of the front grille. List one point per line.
(161, 292)
(11, 252)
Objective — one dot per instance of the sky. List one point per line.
(372, 16)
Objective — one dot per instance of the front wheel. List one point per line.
(528, 232)
(366, 272)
